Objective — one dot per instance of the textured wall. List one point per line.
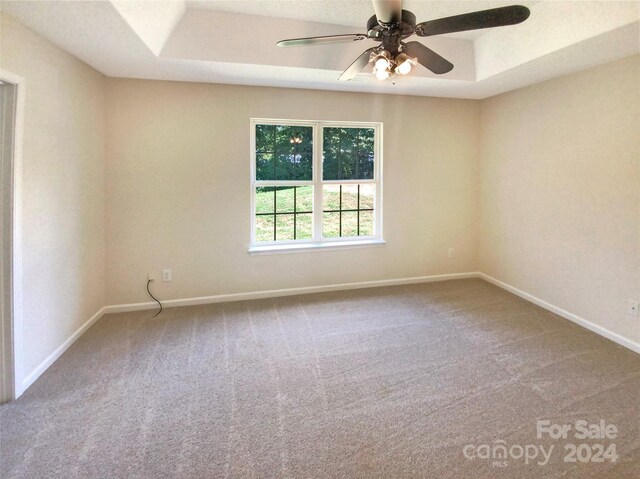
(560, 192)
(179, 196)
(63, 187)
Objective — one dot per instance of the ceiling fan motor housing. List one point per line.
(391, 34)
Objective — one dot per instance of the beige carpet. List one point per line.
(386, 382)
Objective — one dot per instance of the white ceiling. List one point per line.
(233, 41)
(354, 13)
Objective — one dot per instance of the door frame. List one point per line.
(14, 326)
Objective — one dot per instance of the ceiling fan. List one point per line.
(391, 25)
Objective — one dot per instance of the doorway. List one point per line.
(10, 129)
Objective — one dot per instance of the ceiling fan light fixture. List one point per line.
(404, 63)
(382, 61)
(381, 74)
(382, 64)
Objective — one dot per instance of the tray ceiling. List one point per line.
(230, 41)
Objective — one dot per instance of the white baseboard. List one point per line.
(621, 340)
(615, 337)
(44, 365)
(273, 293)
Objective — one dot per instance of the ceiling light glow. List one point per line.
(405, 63)
(381, 74)
(404, 68)
(382, 64)
(381, 60)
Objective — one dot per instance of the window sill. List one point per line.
(306, 247)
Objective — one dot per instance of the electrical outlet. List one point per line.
(151, 276)
(166, 275)
(633, 307)
(451, 252)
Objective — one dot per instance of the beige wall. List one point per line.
(63, 190)
(179, 197)
(560, 192)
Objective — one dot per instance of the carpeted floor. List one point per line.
(386, 382)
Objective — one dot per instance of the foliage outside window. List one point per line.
(315, 182)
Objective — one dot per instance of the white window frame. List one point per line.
(317, 242)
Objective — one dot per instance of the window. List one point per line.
(315, 184)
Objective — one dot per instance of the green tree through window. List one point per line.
(348, 153)
(284, 153)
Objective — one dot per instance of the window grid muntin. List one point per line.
(293, 213)
(275, 213)
(356, 210)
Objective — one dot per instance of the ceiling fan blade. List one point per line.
(357, 66)
(427, 57)
(388, 11)
(495, 17)
(298, 42)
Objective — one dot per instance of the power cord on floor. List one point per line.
(154, 298)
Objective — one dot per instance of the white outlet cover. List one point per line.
(633, 308)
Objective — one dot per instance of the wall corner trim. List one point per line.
(615, 337)
(30, 378)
